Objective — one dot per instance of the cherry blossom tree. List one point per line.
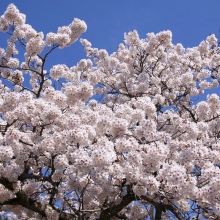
(147, 149)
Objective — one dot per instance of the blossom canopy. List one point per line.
(146, 148)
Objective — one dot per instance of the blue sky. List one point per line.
(189, 21)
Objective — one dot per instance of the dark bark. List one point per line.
(163, 207)
(28, 203)
(108, 213)
(158, 213)
(23, 200)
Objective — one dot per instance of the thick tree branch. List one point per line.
(158, 213)
(163, 207)
(108, 213)
(28, 203)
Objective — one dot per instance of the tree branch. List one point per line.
(110, 212)
(28, 203)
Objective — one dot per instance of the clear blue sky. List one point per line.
(190, 21)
